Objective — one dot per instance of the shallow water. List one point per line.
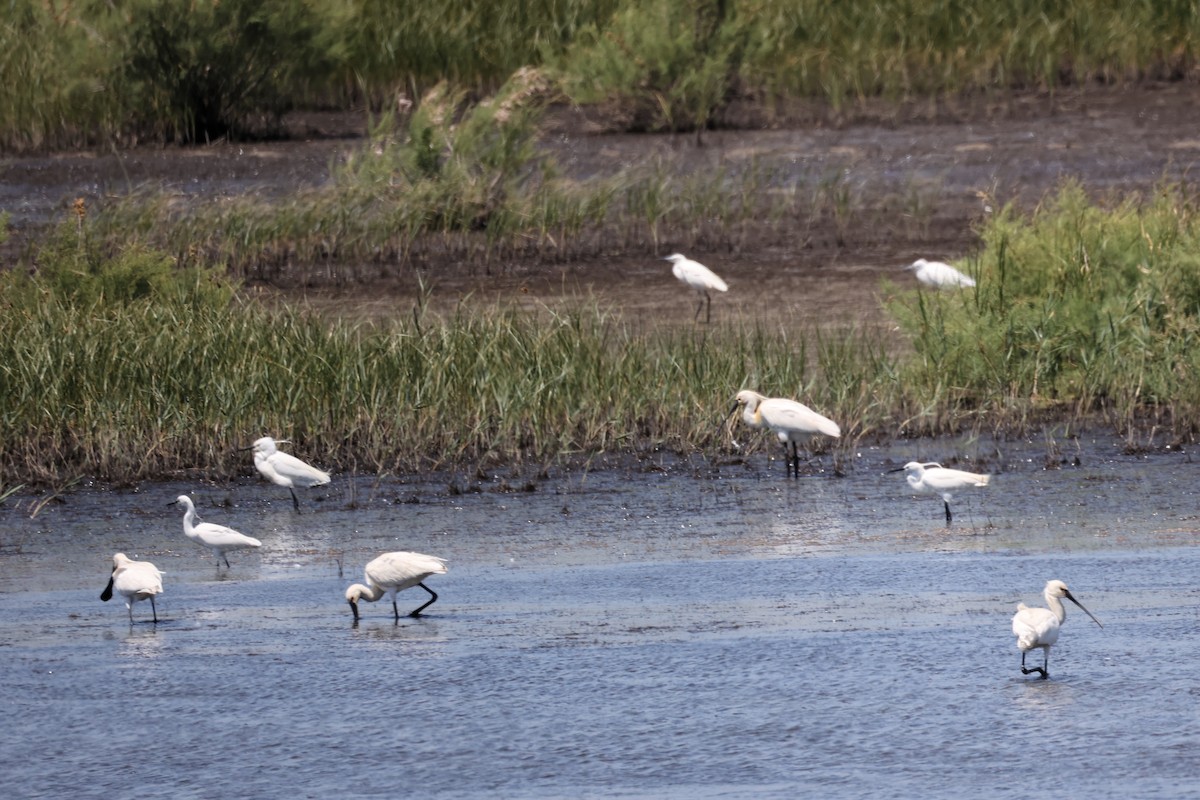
(690, 632)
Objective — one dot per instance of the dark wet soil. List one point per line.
(918, 178)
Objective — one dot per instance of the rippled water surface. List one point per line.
(685, 632)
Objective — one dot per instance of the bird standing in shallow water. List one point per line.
(394, 572)
(1038, 627)
(698, 277)
(217, 538)
(284, 469)
(792, 422)
(134, 580)
(933, 477)
(940, 275)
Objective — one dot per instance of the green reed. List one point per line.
(1081, 308)
(124, 364)
(131, 386)
(93, 72)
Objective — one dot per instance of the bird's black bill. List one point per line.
(106, 595)
(725, 419)
(1081, 608)
(897, 469)
(354, 608)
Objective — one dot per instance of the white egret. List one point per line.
(217, 538)
(134, 580)
(933, 477)
(698, 277)
(394, 572)
(1038, 627)
(792, 422)
(939, 275)
(284, 469)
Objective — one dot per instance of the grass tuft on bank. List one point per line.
(121, 364)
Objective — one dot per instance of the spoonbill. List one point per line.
(698, 277)
(394, 572)
(933, 477)
(1038, 627)
(134, 580)
(284, 469)
(940, 275)
(792, 422)
(217, 538)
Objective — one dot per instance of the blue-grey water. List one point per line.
(683, 632)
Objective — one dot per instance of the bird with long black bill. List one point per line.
(394, 572)
(1038, 628)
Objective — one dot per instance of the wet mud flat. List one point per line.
(679, 632)
(916, 184)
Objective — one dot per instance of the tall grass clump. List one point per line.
(122, 366)
(845, 52)
(53, 90)
(677, 65)
(661, 64)
(1080, 309)
(474, 45)
(200, 71)
(93, 71)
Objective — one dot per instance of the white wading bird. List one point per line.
(933, 477)
(939, 275)
(394, 572)
(284, 469)
(792, 422)
(134, 580)
(698, 277)
(1038, 627)
(217, 538)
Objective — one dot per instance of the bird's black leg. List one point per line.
(295, 500)
(1040, 670)
(153, 609)
(787, 461)
(708, 308)
(226, 558)
(948, 517)
(795, 461)
(432, 599)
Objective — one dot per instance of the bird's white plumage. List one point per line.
(933, 477)
(394, 572)
(284, 469)
(793, 423)
(134, 580)
(698, 277)
(1039, 627)
(940, 275)
(695, 274)
(787, 419)
(217, 538)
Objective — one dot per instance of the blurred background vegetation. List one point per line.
(98, 72)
